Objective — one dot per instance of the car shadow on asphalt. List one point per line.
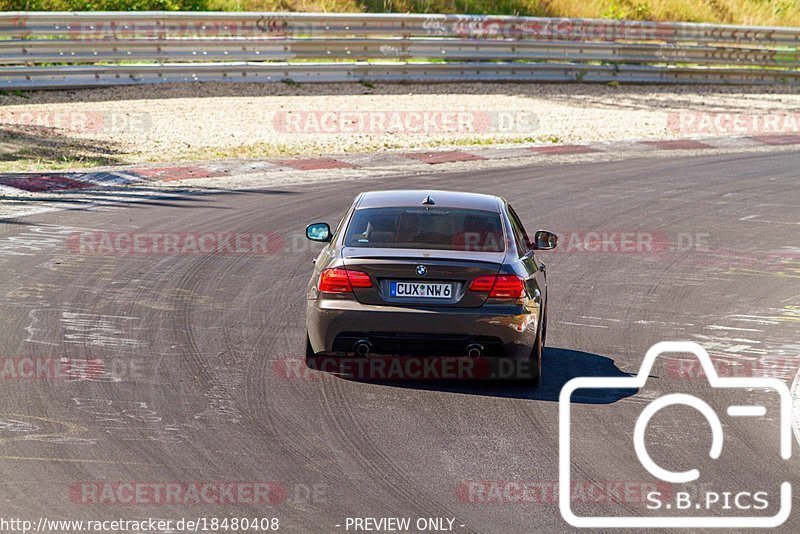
(559, 366)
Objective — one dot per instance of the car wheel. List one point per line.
(536, 360)
(535, 363)
(309, 350)
(310, 362)
(544, 326)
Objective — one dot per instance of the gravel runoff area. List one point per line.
(123, 125)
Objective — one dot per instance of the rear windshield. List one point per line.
(428, 228)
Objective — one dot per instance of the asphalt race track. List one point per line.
(192, 357)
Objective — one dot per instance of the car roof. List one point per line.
(441, 199)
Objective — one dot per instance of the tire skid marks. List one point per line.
(786, 314)
(72, 266)
(795, 390)
(131, 420)
(16, 425)
(339, 413)
(27, 428)
(36, 333)
(184, 317)
(729, 340)
(96, 330)
(220, 375)
(752, 319)
(734, 347)
(148, 294)
(225, 374)
(38, 239)
(34, 294)
(299, 452)
(112, 332)
(373, 457)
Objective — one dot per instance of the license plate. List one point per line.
(420, 290)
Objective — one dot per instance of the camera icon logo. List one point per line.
(717, 440)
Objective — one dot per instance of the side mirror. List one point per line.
(544, 240)
(319, 232)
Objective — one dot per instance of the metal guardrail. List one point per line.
(51, 50)
(203, 50)
(91, 76)
(219, 24)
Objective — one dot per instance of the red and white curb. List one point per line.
(38, 182)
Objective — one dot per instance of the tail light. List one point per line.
(342, 280)
(501, 286)
(482, 284)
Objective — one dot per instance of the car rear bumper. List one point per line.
(504, 330)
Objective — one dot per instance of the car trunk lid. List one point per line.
(397, 280)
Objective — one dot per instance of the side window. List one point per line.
(523, 243)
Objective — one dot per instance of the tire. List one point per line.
(538, 351)
(310, 363)
(544, 326)
(536, 361)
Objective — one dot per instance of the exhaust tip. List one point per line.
(362, 347)
(475, 350)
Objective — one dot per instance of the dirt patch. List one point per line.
(34, 147)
